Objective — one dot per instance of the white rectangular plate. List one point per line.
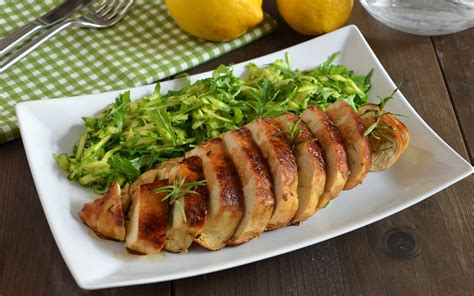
(52, 126)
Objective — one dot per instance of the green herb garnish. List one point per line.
(176, 192)
(373, 129)
(293, 134)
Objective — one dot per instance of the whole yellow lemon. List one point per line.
(315, 17)
(216, 20)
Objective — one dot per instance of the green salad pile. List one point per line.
(130, 137)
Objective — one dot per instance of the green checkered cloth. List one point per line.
(144, 47)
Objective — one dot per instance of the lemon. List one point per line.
(216, 20)
(315, 17)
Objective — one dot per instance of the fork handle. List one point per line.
(19, 35)
(32, 45)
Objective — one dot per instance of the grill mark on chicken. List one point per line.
(181, 234)
(255, 177)
(119, 220)
(151, 228)
(153, 222)
(310, 165)
(194, 208)
(105, 215)
(335, 157)
(355, 142)
(255, 156)
(146, 229)
(277, 152)
(232, 195)
(126, 198)
(225, 204)
(195, 204)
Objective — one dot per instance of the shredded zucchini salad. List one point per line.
(131, 137)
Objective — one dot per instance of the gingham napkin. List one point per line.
(144, 47)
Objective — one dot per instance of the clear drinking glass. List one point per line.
(423, 17)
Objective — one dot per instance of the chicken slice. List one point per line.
(105, 215)
(163, 169)
(392, 133)
(277, 152)
(145, 178)
(125, 198)
(226, 203)
(181, 233)
(356, 144)
(310, 163)
(256, 185)
(334, 154)
(148, 220)
(405, 136)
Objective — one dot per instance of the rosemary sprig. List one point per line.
(293, 134)
(378, 113)
(371, 131)
(176, 192)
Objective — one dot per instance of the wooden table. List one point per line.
(437, 76)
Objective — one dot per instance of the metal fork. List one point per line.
(106, 15)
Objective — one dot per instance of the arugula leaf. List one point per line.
(124, 167)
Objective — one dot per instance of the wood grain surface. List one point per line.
(427, 249)
(456, 57)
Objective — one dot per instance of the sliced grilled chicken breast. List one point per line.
(181, 234)
(356, 144)
(310, 163)
(163, 169)
(125, 198)
(225, 205)
(145, 178)
(256, 185)
(385, 152)
(277, 152)
(148, 220)
(105, 215)
(405, 136)
(335, 157)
